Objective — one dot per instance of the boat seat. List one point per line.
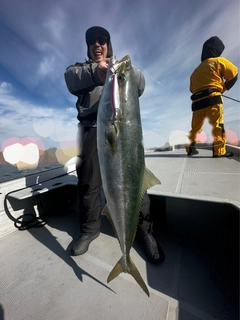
(37, 194)
(35, 190)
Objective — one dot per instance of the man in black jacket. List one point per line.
(86, 80)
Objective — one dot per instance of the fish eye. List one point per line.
(121, 78)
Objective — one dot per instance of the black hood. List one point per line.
(99, 30)
(212, 48)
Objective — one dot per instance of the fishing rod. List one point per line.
(230, 98)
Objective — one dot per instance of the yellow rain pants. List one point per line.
(215, 117)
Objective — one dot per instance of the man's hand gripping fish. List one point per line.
(125, 178)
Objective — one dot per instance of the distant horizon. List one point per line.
(73, 152)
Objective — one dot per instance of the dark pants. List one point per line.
(90, 188)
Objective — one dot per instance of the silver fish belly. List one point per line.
(125, 178)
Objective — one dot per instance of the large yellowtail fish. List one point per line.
(125, 178)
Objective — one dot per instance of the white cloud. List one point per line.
(55, 24)
(39, 40)
(5, 87)
(46, 66)
(22, 118)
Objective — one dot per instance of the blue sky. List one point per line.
(39, 39)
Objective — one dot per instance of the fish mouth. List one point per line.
(121, 65)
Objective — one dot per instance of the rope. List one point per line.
(35, 222)
(23, 224)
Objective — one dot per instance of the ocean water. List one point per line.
(9, 172)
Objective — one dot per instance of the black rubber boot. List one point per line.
(226, 155)
(82, 244)
(192, 150)
(153, 250)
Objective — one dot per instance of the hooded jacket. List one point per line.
(99, 31)
(82, 81)
(212, 48)
(213, 76)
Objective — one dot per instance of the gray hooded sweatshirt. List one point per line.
(82, 81)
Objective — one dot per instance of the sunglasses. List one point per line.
(100, 39)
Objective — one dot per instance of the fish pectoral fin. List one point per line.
(149, 180)
(111, 136)
(130, 268)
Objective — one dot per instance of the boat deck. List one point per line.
(199, 279)
(40, 280)
(198, 177)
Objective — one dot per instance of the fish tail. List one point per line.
(130, 268)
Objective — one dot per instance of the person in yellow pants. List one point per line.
(208, 81)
